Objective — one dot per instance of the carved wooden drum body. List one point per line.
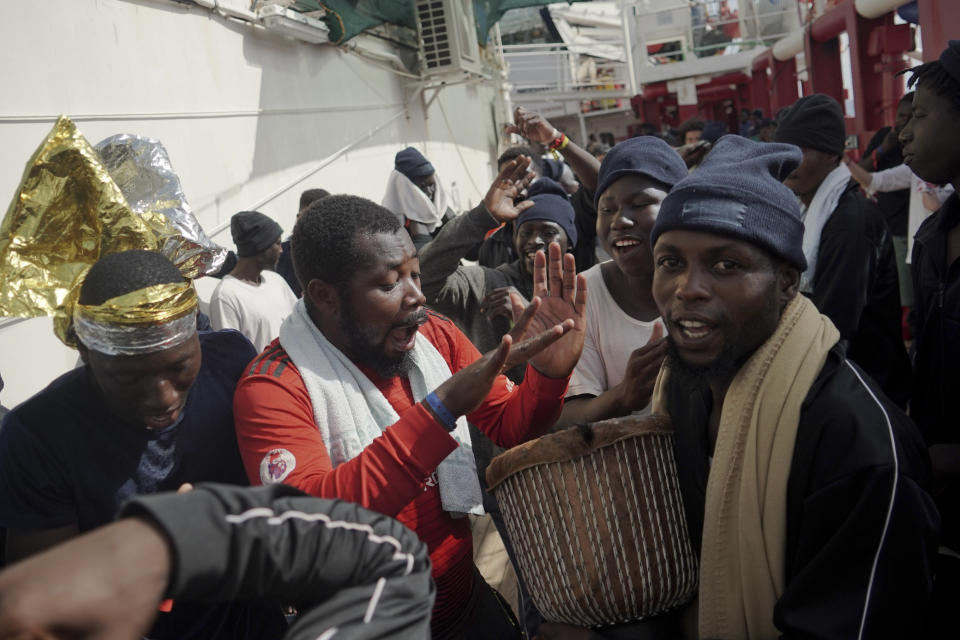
(597, 521)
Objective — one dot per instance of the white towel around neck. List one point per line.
(815, 216)
(406, 199)
(351, 412)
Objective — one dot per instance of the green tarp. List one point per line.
(347, 18)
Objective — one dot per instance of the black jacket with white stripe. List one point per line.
(352, 573)
(862, 531)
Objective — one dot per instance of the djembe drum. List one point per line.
(597, 521)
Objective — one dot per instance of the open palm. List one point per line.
(562, 297)
(502, 196)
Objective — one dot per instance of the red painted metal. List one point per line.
(876, 55)
(783, 84)
(823, 67)
(876, 52)
(833, 22)
(939, 23)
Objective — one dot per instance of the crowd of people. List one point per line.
(751, 288)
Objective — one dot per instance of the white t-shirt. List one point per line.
(256, 311)
(611, 337)
(901, 177)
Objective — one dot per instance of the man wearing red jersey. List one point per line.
(364, 395)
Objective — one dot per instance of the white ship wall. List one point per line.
(242, 113)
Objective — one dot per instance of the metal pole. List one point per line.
(625, 14)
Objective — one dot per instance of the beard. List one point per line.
(365, 349)
(737, 349)
(699, 376)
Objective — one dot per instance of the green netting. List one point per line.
(347, 18)
(489, 12)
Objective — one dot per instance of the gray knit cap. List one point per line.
(738, 191)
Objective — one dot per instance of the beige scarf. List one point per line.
(745, 521)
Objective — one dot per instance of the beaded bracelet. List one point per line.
(559, 143)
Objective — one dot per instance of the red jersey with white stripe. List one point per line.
(395, 475)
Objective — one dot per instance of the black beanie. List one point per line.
(814, 122)
(253, 232)
(550, 202)
(412, 164)
(738, 192)
(950, 60)
(644, 155)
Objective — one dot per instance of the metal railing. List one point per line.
(699, 29)
(563, 68)
(595, 70)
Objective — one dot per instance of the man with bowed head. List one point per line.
(150, 409)
(365, 396)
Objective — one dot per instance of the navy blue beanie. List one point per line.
(738, 191)
(412, 164)
(814, 122)
(713, 131)
(644, 155)
(552, 169)
(550, 202)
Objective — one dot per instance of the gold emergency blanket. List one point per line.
(142, 321)
(156, 304)
(67, 213)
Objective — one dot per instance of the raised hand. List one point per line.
(563, 298)
(513, 178)
(463, 392)
(548, 334)
(532, 126)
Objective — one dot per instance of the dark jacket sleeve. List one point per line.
(862, 529)
(863, 560)
(845, 266)
(351, 572)
(445, 282)
(585, 217)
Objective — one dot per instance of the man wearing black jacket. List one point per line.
(931, 147)
(851, 266)
(803, 485)
(932, 150)
(826, 475)
(352, 573)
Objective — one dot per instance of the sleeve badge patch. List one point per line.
(276, 466)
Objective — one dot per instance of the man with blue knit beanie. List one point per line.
(803, 485)
(416, 197)
(477, 298)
